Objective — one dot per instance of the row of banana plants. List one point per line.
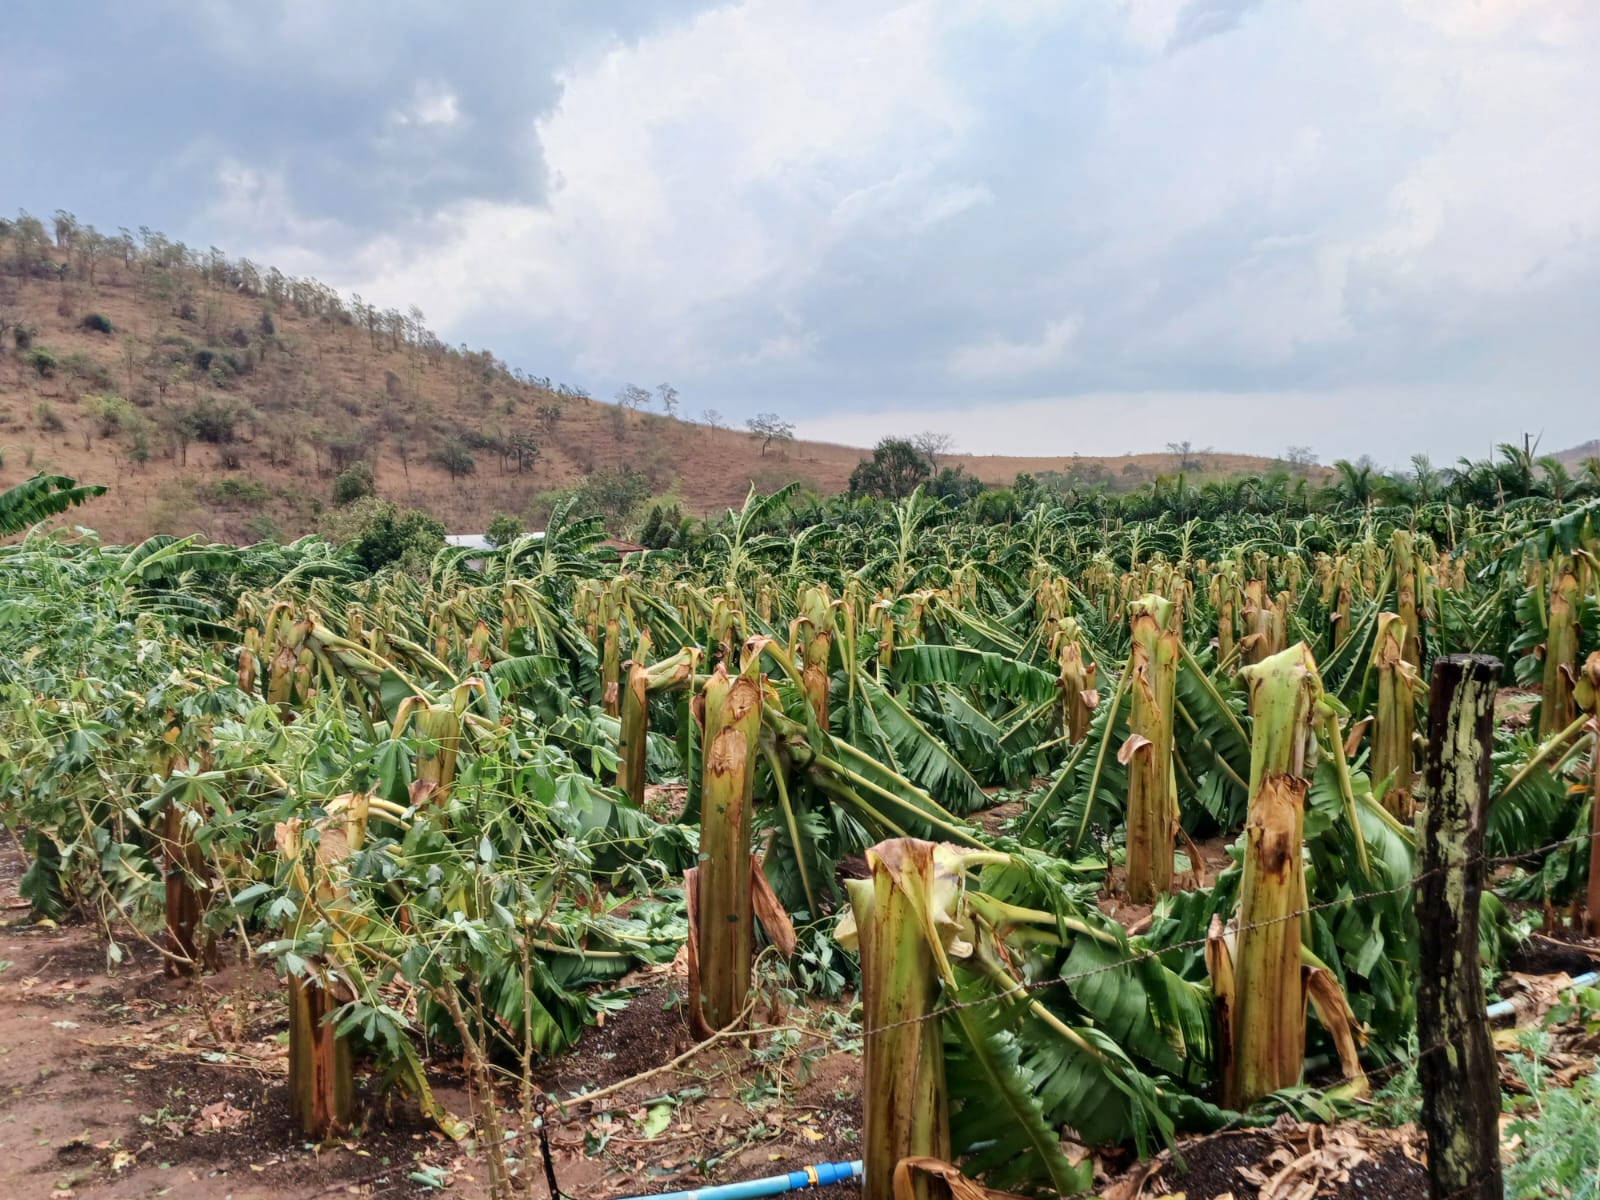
(426, 797)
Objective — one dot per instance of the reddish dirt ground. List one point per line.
(125, 1083)
(106, 1091)
(128, 1084)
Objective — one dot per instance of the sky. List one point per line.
(1089, 226)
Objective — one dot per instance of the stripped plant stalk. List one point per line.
(1394, 719)
(1587, 694)
(722, 930)
(184, 869)
(1079, 697)
(1269, 1003)
(1557, 708)
(906, 1108)
(1152, 783)
(321, 1082)
(1263, 622)
(811, 644)
(1407, 584)
(611, 651)
(669, 674)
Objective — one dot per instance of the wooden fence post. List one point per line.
(1457, 1070)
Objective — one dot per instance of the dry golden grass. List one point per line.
(324, 380)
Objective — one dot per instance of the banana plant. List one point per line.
(969, 1058)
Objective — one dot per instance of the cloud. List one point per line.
(1001, 358)
(1225, 217)
(1201, 19)
(682, 197)
(783, 348)
(432, 104)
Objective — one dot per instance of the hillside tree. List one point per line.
(632, 398)
(768, 428)
(454, 457)
(933, 446)
(524, 448)
(895, 470)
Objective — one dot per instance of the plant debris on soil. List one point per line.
(1290, 1160)
(128, 1083)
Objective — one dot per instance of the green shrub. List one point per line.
(264, 529)
(80, 366)
(43, 362)
(353, 483)
(503, 529)
(614, 495)
(235, 493)
(97, 323)
(661, 523)
(379, 534)
(454, 457)
(112, 414)
(49, 422)
(476, 439)
(212, 421)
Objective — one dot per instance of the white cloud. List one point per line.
(908, 203)
(999, 358)
(1264, 423)
(782, 348)
(701, 169)
(1336, 217)
(433, 104)
(254, 205)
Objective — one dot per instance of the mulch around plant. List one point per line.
(1287, 1159)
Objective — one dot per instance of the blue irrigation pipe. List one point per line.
(772, 1185)
(1501, 1008)
(826, 1173)
(1505, 1008)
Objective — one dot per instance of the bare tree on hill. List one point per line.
(768, 428)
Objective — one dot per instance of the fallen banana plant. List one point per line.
(1395, 718)
(1152, 816)
(728, 888)
(998, 1011)
(1261, 987)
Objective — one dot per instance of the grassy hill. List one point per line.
(220, 397)
(1573, 457)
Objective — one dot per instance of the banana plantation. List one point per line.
(1099, 833)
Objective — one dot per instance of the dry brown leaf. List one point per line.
(1130, 1186)
(961, 1188)
(1135, 743)
(770, 912)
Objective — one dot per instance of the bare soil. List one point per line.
(127, 1083)
(734, 1114)
(1376, 1165)
(106, 1089)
